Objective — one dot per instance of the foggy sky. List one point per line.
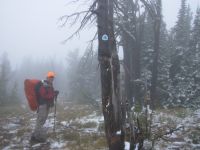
(31, 28)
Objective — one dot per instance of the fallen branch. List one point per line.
(167, 133)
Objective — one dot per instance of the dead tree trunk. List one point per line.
(109, 68)
(131, 35)
(157, 24)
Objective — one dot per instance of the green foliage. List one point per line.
(181, 37)
(195, 137)
(138, 108)
(195, 40)
(195, 46)
(183, 25)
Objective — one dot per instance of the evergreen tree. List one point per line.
(147, 44)
(188, 24)
(147, 52)
(182, 27)
(182, 59)
(164, 59)
(194, 56)
(147, 49)
(180, 36)
(195, 37)
(5, 70)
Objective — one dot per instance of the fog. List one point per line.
(171, 7)
(32, 36)
(32, 28)
(152, 94)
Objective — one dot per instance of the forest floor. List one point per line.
(80, 127)
(176, 129)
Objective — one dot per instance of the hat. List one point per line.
(51, 74)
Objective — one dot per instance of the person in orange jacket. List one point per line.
(46, 95)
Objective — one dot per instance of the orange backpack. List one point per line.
(30, 88)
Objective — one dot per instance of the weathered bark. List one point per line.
(156, 54)
(131, 36)
(109, 68)
(132, 47)
(127, 50)
(128, 85)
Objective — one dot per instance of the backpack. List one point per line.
(31, 89)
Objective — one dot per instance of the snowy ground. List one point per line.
(186, 137)
(75, 129)
(80, 128)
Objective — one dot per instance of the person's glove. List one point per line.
(56, 93)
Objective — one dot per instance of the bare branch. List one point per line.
(87, 17)
(150, 7)
(72, 1)
(118, 6)
(67, 17)
(94, 38)
(167, 133)
(125, 30)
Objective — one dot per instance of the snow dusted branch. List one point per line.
(170, 131)
(122, 27)
(150, 7)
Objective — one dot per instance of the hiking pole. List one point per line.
(54, 125)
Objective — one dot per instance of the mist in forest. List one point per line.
(159, 52)
(31, 39)
(33, 28)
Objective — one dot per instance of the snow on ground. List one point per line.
(15, 131)
(91, 118)
(49, 123)
(57, 145)
(185, 138)
(65, 123)
(127, 146)
(11, 126)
